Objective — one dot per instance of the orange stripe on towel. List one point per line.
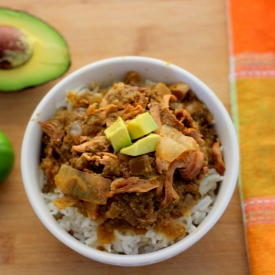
(260, 210)
(252, 25)
(261, 248)
(254, 65)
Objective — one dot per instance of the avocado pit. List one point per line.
(15, 48)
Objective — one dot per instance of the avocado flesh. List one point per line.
(142, 146)
(50, 58)
(118, 135)
(142, 125)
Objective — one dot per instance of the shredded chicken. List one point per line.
(101, 113)
(180, 90)
(217, 157)
(170, 192)
(162, 165)
(184, 117)
(131, 112)
(190, 164)
(131, 95)
(132, 184)
(194, 134)
(166, 100)
(121, 191)
(103, 158)
(98, 143)
(168, 118)
(51, 130)
(65, 201)
(155, 113)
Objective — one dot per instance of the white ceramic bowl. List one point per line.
(105, 72)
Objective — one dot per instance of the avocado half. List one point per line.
(46, 51)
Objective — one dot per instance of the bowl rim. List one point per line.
(141, 259)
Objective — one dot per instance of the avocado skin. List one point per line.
(51, 58)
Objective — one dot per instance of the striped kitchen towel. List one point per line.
(252, 86)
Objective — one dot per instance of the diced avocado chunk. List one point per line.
(142, 146)
(118, 135)
(142, 125)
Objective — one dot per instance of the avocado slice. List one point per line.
(31, 51)
(142, 146)
(118, 135)
(142, 125)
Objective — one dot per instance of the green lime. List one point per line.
(6, 156)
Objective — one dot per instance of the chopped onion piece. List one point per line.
(82, 185)
(76, 130)
(173, 143)
(169, 149)
(176, 135)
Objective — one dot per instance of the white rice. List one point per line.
(85, 230)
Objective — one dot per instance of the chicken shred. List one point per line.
(217, 157)
(105, 185)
